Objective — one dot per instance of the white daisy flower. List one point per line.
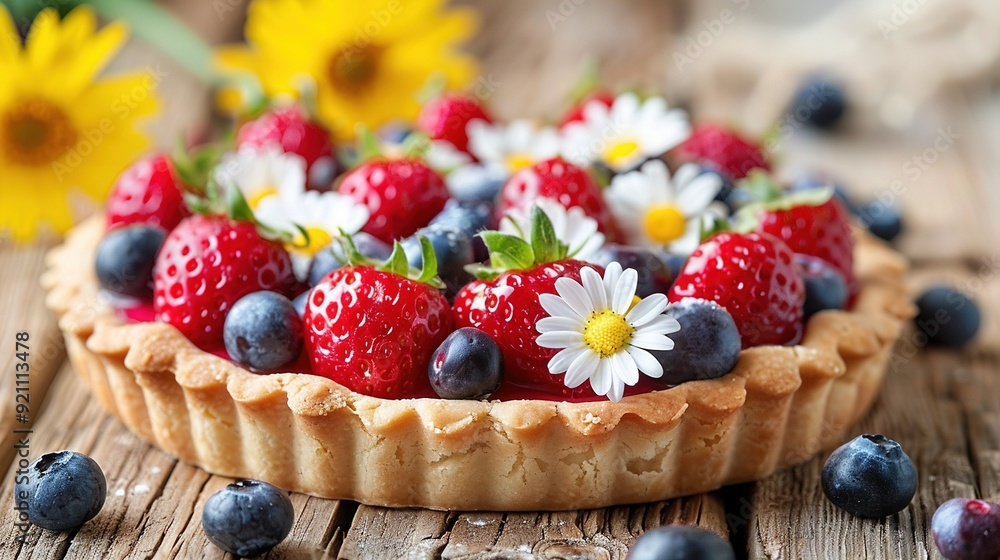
(513, 146)
(624, 134)
(654, 210)
(321, 215)
(262, 173)
(573, 227)
(604, 335)
(443, 156)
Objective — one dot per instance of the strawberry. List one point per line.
(575, 112)
(446, 117)
(373, 329)
(561, 181)
(504, 304)
(754, 277)
(291, 130)
(205, 265)
(401, 194)
(821, 231)
(148, 192)
(811, 222)
(724, 149)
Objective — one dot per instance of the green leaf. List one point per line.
(416, 145)
(349, 251)
(237, 206)
(483, 272)
(747, 218)
(760, 186)
(433, 87)
(507, 251)
(397, 263)
(429, 269)
(368, 145)
(544, 243)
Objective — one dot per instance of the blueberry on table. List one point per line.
(263, 331)
(825, 286)
(947, 317)
(870, 476)
(966, 529)
(125, 260)
(819, 102)
(248, 518)
(467, 365)
(680, 542)
(654, 274)
(63, 490)
(707, 346)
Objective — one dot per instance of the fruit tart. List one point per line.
(482, 315)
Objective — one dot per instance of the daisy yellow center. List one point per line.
(517, 162)
(352, 70)
(318, 238)
(618, 153)
(260, 194)
(36, 133)
(607, 333)
(664, 223)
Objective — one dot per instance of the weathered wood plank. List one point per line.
(154, 503)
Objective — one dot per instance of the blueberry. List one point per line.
(452, 249)
(263, 331)
(947, 317)
(870, 476)
(966, 529)
(884, 220)
(248, 518)
(125, 260)
(819, 102)
(707, 346)
(674, 262)
(654, 274)
(680, 542)
(466, 217)
(299, 303)
(476, 183)
(467, 365)
(825, 287)
(63, 490)
(330, 258)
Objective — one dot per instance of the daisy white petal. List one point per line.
(645, 361)
(646, 310)
(554, 324)
(557, 306)
(625, 368)
(583, 368)
(600, 382)
(662, 324)
(559, 339)
(575, 295)
(611, 275)
(625, 291)
(617, 390)
(562, 360)
(652, 341)
(594, 285)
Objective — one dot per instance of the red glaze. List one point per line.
(205, 265)
(375, 332)
(559, 180)
(753, 276)
(507, 309)
(575, 112)
(401, 194)
(725, 149)
(148, 192)
(446, 117)
(822, 231)
(292, 131)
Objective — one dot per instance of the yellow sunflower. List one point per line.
(61, 129)
(368, 59)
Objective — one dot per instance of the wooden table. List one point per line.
(943, 407)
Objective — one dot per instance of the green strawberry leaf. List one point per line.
(748, 217)
(544, 243)
(508, 251)
(368, 144)
(416, 145)
(761, 186)
(396, 263)
(429, 269)
(484, 272)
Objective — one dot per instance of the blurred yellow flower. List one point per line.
(368, 59)
(62, 130)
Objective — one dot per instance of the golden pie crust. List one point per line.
(777, 408)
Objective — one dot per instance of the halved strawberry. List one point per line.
(753, 276)
(373, 328)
